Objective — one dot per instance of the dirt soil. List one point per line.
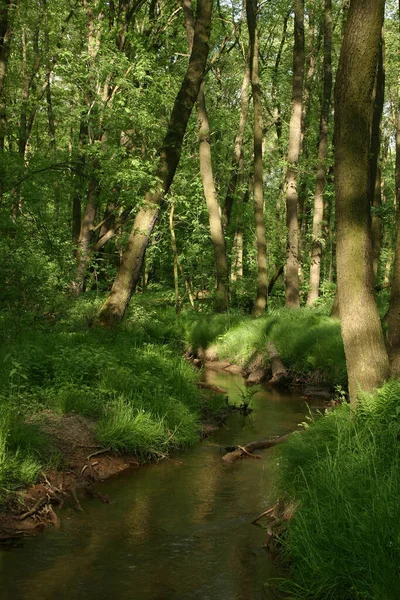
(30, 510)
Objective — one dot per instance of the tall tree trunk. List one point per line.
(237, 247)
(393, 319)
(5, 36)
(366, 356)
(210, 194)
(316, 250)
(375, 162)
(274, 90)
(292, 262)
(85, 236)
(262, 265)
(238, 146)
(207, 177)
(127, 277)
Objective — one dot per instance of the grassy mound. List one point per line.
(308, 340)
(343, 473)
(132, 382)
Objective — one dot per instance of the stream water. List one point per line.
(177, 530)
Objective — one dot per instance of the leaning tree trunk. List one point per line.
(207, 177)
(366, 356)
(127, 277)
(393, 319)
(262, 266)
(316, 250)
(292, 261)
(375, 163)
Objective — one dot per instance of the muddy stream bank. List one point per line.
(176, 530)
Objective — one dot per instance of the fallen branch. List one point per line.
(212, 387)
(248, 453)
(34, 509)
(246, 450)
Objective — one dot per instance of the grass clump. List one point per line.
(343, 474)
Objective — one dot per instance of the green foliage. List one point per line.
(342, 473)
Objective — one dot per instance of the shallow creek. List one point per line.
(177, 530)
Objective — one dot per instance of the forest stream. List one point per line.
(177, 530)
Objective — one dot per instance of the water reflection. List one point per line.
(177, 530)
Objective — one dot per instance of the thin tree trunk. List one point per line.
(316, 250)
(5, 36)
(178, 265)
(274, 94)
(237, 248)
(207, 177)
(210, 194)
(262, 265)
(238, 146)
(366, 356)
(126, 280)
(175, 255)
(393, 319)
(84, 253)
(375, 163)
(292, 262)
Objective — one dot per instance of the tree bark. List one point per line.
(393, 318)
(210, 194)
(375, 163)
(207, 177)
(5, 36)
(262, 265)
(238, 146)
(126, 280)
(292, 261)
(316, 250)
(366, 356)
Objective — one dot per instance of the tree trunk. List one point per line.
(366, 356)
(84, 251)
(375, 166)
(274, 93)
(316, 250)
(238, 146)
(393, 318)
(126, 280)
(210, 194)
(292, 262)
(262, 266)
(207, 177)
(5, 36)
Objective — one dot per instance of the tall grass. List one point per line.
(343, 473)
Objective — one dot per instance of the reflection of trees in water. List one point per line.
(179, 529)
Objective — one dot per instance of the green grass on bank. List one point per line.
(343, 473)
(308, 340)
(133, 382)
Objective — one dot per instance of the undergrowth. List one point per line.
(343, 474)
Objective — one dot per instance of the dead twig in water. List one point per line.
(243, 449)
